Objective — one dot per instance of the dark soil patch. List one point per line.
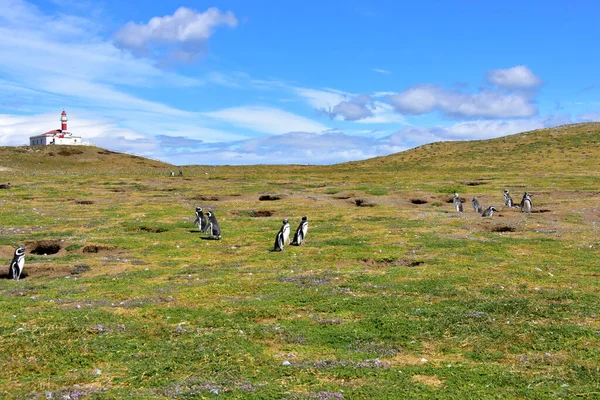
(363, 203)
(43, 247)
(541, 211)
(503, 228)
(475, 183)
(261, 213)
(152, 229)
(269, 197)
(106, 152)
(418, 201)
(85, 202)
(69, 152)
(391, 262)
(96, 248)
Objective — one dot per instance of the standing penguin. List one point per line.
(213, 228)
(17, 264)
(279, 240)
(508, 201)
(301, 231)
(200, 220)
(477, 207)
(286, 231)
(526, 204)
(457, 204)
(489, 211)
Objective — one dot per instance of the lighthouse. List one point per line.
(63, 121)
(57, 136)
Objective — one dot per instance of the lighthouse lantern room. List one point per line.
(57, 136)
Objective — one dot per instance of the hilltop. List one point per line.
(72, 159)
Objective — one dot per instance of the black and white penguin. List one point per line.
(301, 231)
(477, 207)
(457, 204)
(286, 231)
(489, 211)
(213, 228)
(201, 220)
(526, 204)
(508, 201)
(17, 264)
(279, 241)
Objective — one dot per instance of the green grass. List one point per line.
(397, 300)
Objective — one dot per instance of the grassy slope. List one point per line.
(395, 300)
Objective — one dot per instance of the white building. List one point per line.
(57, 136)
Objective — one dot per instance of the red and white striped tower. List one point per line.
(63, 121)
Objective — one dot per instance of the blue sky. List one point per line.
(318, 82)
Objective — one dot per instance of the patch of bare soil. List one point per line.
(7, 252)
(429, 380)
(261, 213)
(363, 203)
(97, 248)
(372, 263)
(269, 197)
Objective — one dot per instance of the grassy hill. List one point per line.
(393, 295)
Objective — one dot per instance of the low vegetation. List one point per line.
(393, 295)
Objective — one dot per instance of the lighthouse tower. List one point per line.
(63, 121)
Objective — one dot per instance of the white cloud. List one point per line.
(186, 28)
(266, 120)
(519, 77)
(353, 109)
(486, 104)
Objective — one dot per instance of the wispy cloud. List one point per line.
(266, 120)
(381, 71)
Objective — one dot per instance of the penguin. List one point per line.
(489, 211)
(17, 264)
(213, 228)
(508, 201)
(457, 204)
(526, 204)
(477, 207)
(200, 220)
(5, 186)
(286, 231)
(301, 232)
(279, 241)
